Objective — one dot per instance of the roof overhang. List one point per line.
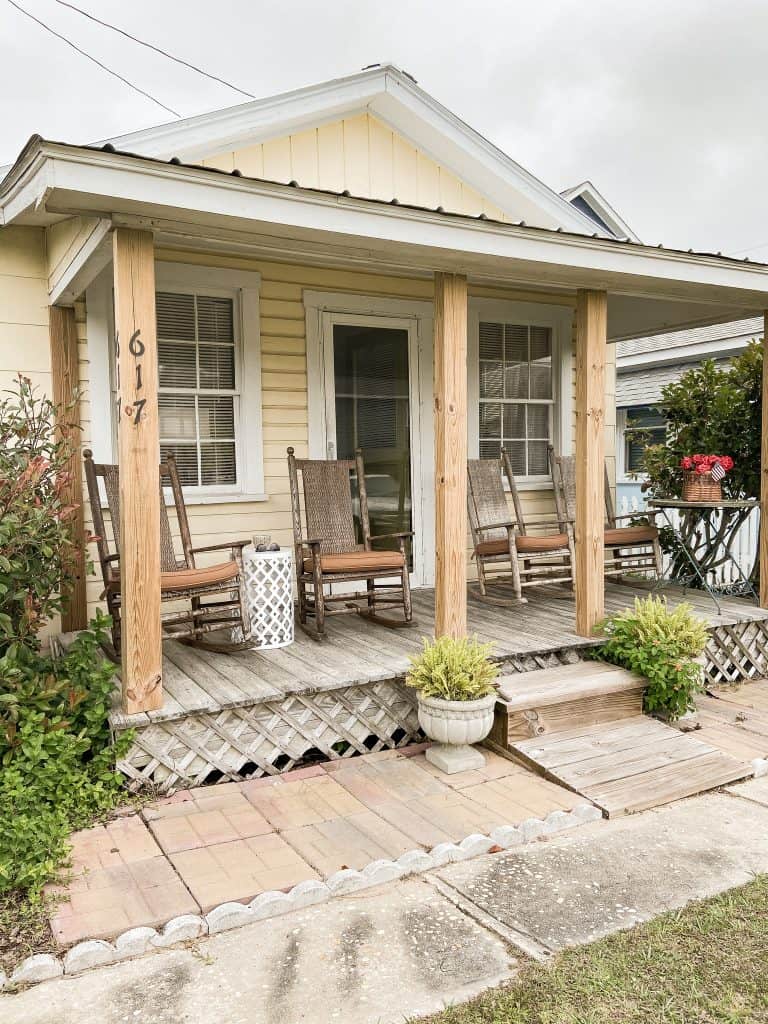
(650, 289)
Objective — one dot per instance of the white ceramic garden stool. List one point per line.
(269, 596)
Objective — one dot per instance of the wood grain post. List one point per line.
(139, 448)
(450, 455)
(591, 340)
(64, 387)
(764, 475)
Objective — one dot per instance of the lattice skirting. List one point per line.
(737, 653)
(273, 737)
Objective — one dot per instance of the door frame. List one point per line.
(323, 310)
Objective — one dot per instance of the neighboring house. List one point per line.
(303, 247)
(644, 366)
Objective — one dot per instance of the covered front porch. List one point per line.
(257, 713)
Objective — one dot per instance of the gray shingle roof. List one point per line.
(747, 329)
(644, 386)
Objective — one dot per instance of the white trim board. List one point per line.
(244, 286)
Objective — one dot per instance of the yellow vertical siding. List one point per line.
(361, 154)
(24, 346)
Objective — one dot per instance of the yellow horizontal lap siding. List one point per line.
(364, 156)
(284, 390)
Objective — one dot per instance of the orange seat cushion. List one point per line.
(184, 579)
(631, 535)
(358, 561)
(526, 545)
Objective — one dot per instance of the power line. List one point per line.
(750, 248)
(98, 63)
(150, 46)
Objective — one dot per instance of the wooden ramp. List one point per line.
(582, 725)
(632, 764)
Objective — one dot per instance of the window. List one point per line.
(198, 386)
(645, 426)
(516, 394)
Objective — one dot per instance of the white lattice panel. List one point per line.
(269, 595)
(272, 737)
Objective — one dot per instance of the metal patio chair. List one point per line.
(633, 548)
(507, 545)
(334, 550)
(181, 580)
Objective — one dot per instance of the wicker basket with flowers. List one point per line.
(703, 476)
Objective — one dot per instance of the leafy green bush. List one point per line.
(37, 551)
(57, 766)
(453, 669)
(660, 644)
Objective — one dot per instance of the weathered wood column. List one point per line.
(764, 475)
(139, 454)
(450, 454)
(64, 387)
(591, 339)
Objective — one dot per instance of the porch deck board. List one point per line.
(359, 652)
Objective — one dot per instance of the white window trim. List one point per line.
(244, 287)
(560, 320)
(622, 475)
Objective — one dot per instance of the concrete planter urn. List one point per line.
(454, 725)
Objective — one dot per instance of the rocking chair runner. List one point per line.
(502, 542)
(180, 579)
(329, 552)
(632, 548)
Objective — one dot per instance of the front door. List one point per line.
(371, 402)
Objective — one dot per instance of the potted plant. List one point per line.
(456, 685)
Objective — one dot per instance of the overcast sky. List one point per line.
(661, 103)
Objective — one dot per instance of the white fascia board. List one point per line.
(92, 182)
(194, 138)
(602, 208)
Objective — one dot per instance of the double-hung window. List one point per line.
(199, 386)
(516, 394)
(646, 425)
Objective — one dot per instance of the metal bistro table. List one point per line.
(667, 507)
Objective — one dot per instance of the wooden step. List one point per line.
(566, 697)
(631, 765)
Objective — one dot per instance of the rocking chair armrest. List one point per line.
(506, 525)
(111, 558)
(311, 542)
(392, 536)
(228, 545)
(649, 514)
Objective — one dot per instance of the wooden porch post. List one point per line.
(139, 448)
(591, 336)
(64, 382)
(450, 454)
(764, 475)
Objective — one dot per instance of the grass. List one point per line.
(24, 929)
(705, 964)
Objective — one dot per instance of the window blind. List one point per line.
(516, 394)
(198, 393)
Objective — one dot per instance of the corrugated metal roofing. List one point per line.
(747, 329)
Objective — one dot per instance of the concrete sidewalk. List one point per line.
(410, 947)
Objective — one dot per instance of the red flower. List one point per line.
(726, 462)
(697, 459)
(686, 462)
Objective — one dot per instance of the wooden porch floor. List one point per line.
(358, 652)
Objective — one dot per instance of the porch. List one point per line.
(252, 713)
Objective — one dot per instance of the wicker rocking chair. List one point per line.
(329, 552)
(628, 549)
(181, 581)
(503, 546)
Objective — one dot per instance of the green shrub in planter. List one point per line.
(661, 644)
(452, 669)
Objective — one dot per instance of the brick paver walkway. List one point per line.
(202, 847)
